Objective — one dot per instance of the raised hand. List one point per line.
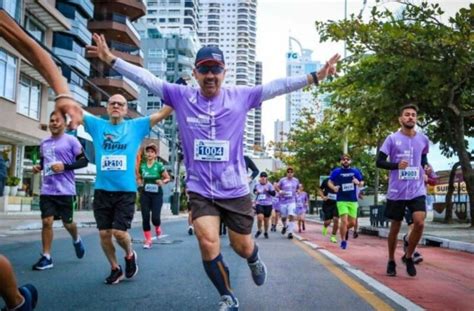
(329, 68)
(100, 49)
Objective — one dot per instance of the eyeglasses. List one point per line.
(120, 104)
(215, 69)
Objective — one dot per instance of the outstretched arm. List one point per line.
(160, 115)
(137, 74)
(42, 62)
(290, 84)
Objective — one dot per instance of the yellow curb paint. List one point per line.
(358, 288)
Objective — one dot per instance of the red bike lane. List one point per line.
(444, 281)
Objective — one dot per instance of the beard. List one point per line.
(408, 125)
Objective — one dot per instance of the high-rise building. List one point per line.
(113, 19)
(298, 62)
(231, 26)
(173, 16)
(259, 144)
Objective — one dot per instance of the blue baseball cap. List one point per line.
(210, 54)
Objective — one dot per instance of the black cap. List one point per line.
(263, 174)
(209, 54)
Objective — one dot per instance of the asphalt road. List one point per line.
(171, 276)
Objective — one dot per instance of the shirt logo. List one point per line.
(110, 144)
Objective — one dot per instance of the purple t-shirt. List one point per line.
(62, 149)
(408, 183)
(288, 187)
(211, 131)
(262, 195)
(302, 200)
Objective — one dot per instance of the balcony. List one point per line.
(117, 85)
(86, 6)
(115, 27)
(73, 59)
(127, 52)
(80, 30)
(80, 95)
(47, 14)
(134, 9)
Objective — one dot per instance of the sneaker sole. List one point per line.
(43, 268)
(116, 281)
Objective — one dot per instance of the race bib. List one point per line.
(113, 163)
(332, 196)
(151, 187)
(410, 173)
(288, 194)
(211, 150)
(261, 197)
(48, 171)
(348, 187)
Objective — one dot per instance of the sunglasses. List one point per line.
(215, 69)
(120, 104)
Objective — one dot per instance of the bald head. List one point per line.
(117, 108)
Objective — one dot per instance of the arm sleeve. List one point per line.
(383, 163)
(424, 160)
(251, 165)
(140, 76)
(81, 161)
(283, 86)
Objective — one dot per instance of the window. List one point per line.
(7, 75)
(30, 97)
(34, 28)
(12, 7)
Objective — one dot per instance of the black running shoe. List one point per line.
(290, 235)
(265, 235)
(258, 233)
(391, 268)
(131, 266)
(283, 230)
(115, 276)
(355, 235)
(411, 270)
(417, 258)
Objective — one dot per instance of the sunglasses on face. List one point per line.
(215, 69)
(120, 104)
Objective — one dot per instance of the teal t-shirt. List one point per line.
(116, 147)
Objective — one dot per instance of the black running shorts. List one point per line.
(58, 206)
(237, 213)
(395, 209)
(266, 210)
(330, 209)
(114, 209)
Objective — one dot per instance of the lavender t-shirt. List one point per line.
(408, 183)
(63, 149)
(211, 132)
(288, 188)
(263, 196)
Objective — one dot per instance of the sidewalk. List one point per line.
(452, 236)
(15, 223)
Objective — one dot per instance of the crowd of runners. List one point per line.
(211, 119)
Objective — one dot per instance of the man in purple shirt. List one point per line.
(407, 151)
(264, 193)
(211, 119)
(60, 155)
(287, 188)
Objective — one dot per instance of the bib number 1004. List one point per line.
(215, 150)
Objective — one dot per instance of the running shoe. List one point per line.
(43, 263)
(333, 239)
(304, 227)
(411, 270)
(355, 235)
(405, 243)
(190, 230)
(147, 244)
(273, 229)
(343, 244)
(391, 268)
(30, 294)
(259, 271)
(283, 230)
(258, 233)
(417, 258)
(290, 235)
(131, 267)
(265, 235)
(325, 231)
(116, 275)
(228, 303)
(299, 230)
(158, 231)
(79, 248)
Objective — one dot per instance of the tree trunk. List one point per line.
(448, 216)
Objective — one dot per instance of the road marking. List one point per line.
(325, 257)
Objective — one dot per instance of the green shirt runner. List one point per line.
(150, 174)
